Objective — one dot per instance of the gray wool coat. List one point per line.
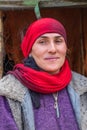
(21, 106)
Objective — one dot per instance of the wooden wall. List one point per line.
(85, 39)
(74, 20)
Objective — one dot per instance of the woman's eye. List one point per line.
(58, 41)
(42, 41)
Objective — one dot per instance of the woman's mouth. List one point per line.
(52, 58)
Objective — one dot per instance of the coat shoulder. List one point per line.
(12, 88)
(79, 83)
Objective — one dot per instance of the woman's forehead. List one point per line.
(50, 35)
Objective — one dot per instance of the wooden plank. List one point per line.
(26, 4)
(62, 4)
(85, 38)
(1, 45)
(10, 0)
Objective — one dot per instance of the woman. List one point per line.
(43, 93)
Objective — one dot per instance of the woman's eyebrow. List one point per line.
(58, 36)
(43, 37)
(48, 37)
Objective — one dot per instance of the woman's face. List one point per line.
(49, 52)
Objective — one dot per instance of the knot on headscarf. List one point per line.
(38, 28)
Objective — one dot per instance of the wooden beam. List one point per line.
(1, 45)
(26, 4)
(56, 3)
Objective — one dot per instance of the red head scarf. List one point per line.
(39, 27)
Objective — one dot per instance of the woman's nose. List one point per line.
(52, 47)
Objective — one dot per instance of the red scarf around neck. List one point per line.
(40, 81)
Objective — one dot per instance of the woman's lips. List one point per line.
(52, 58)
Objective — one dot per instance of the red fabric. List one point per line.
(39, 27)
(42, 81)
